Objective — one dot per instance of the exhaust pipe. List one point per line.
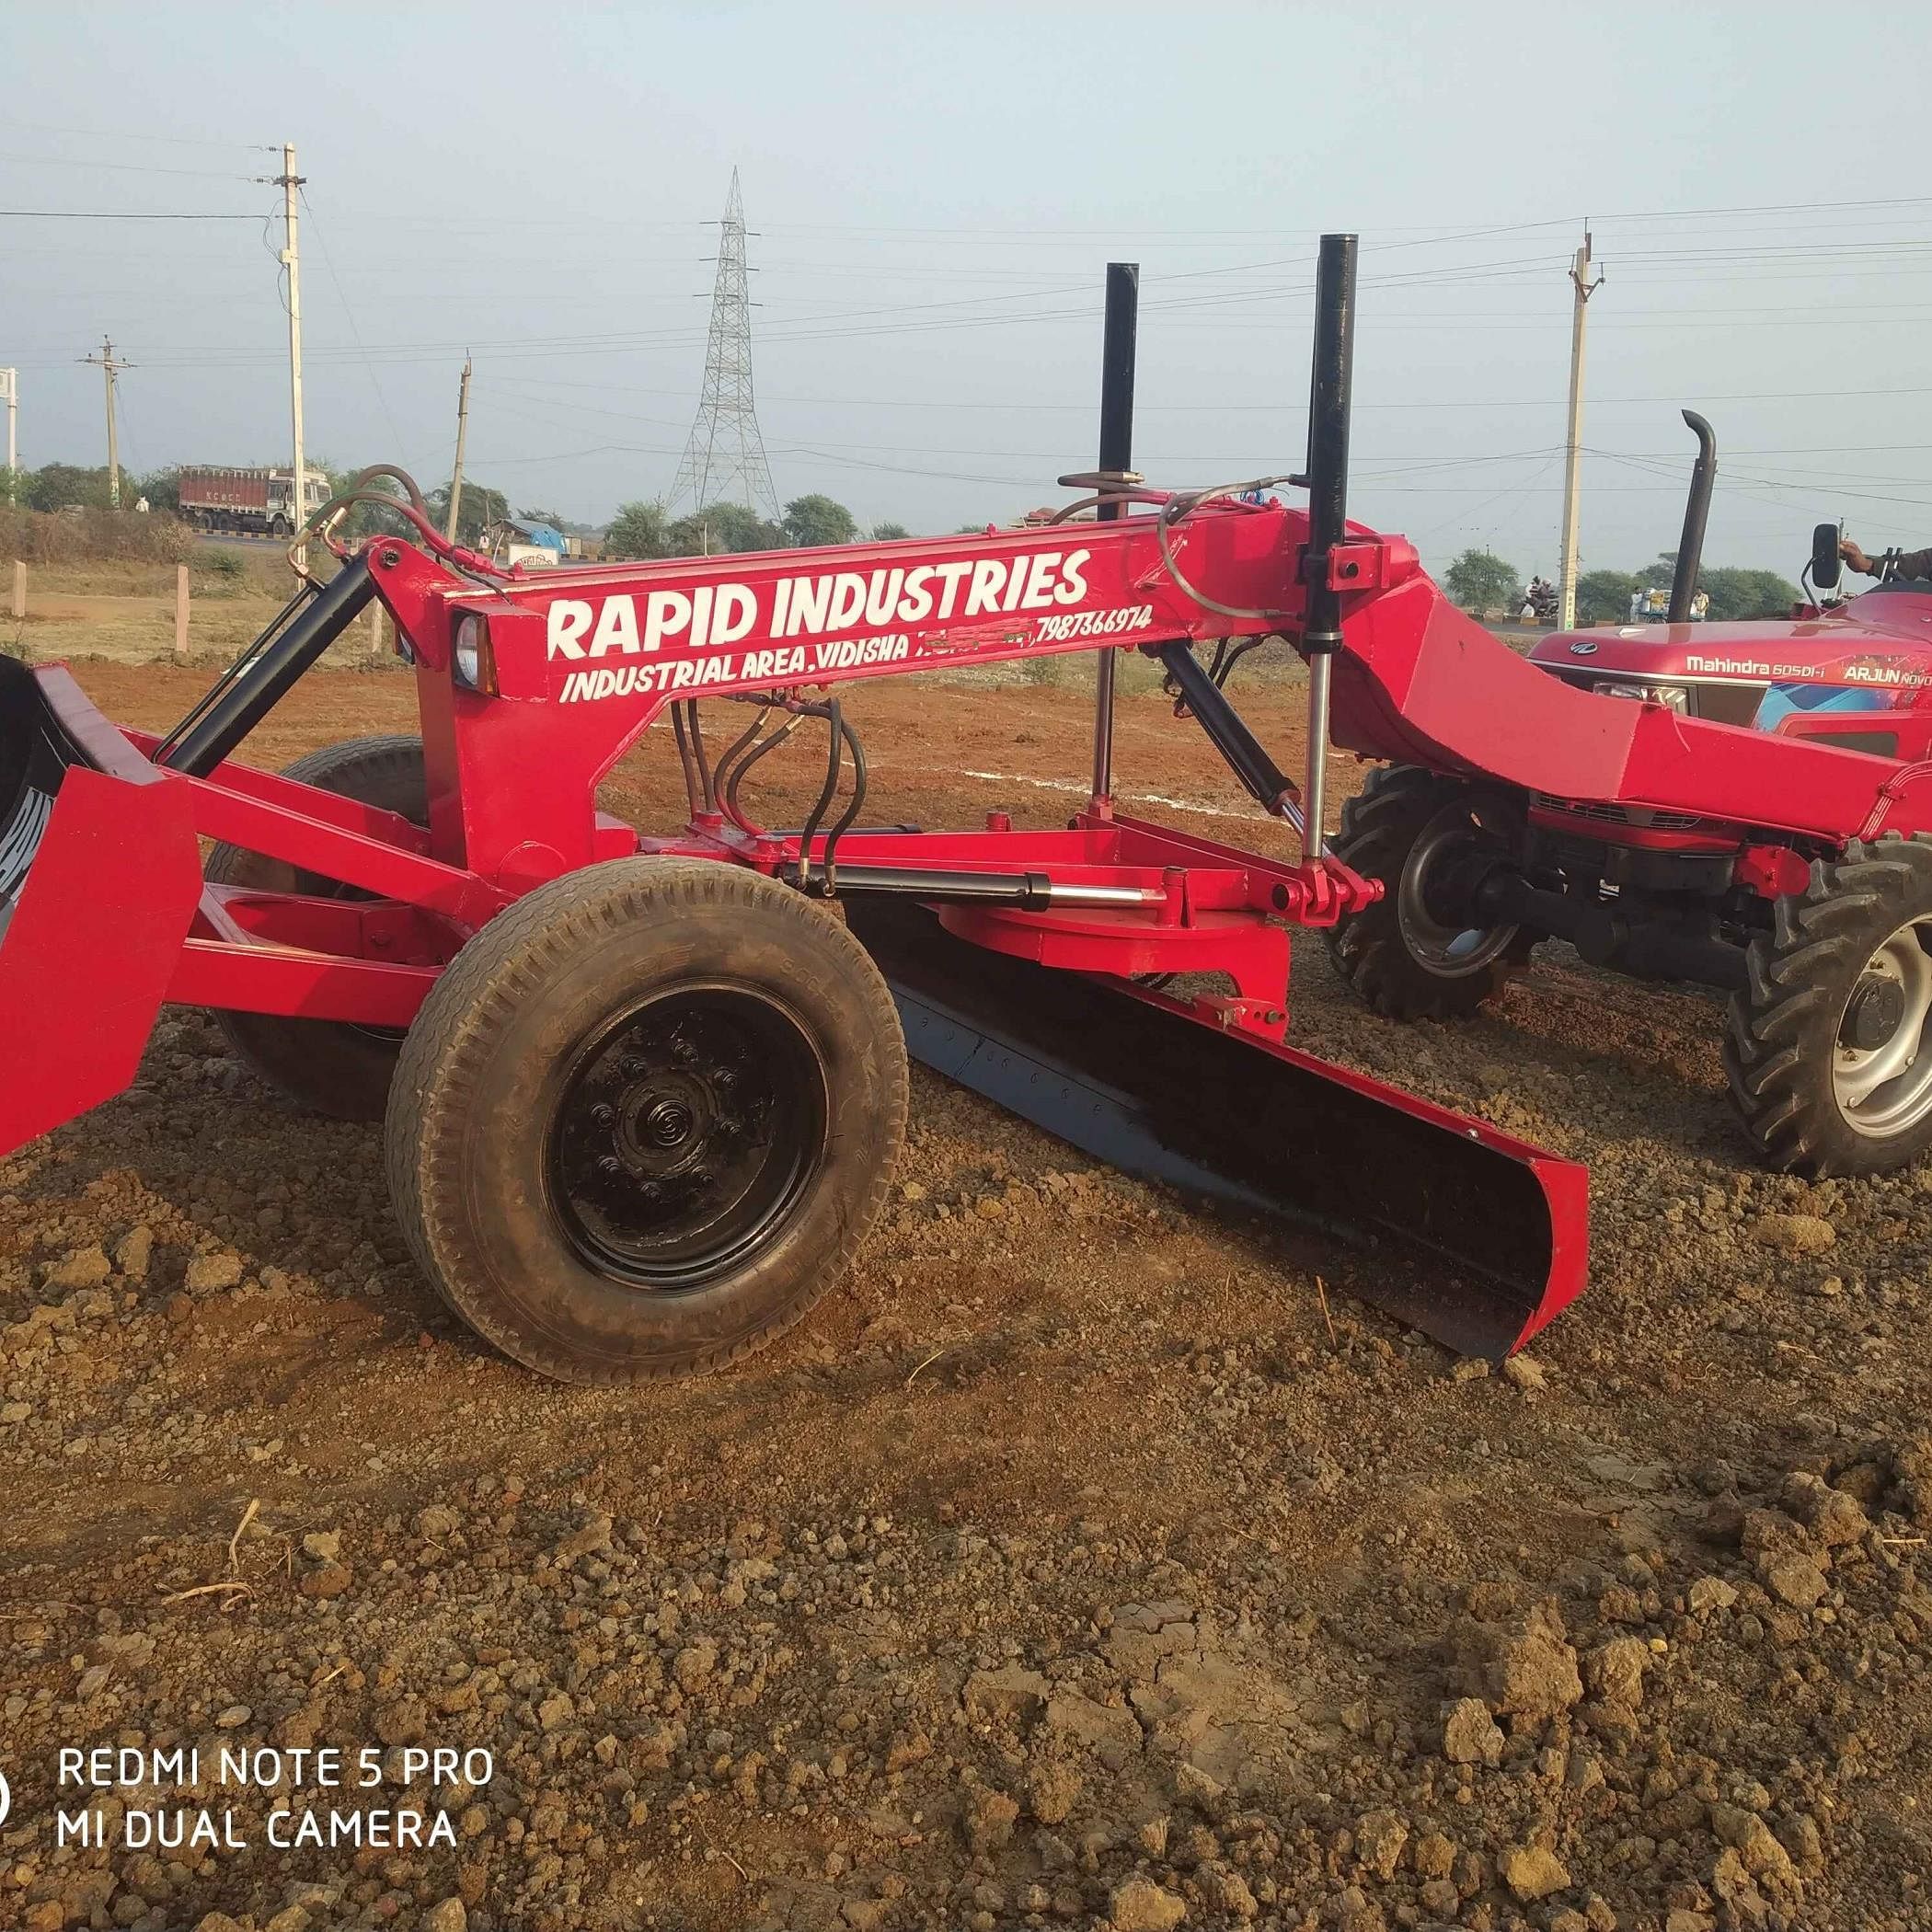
(1696, 512)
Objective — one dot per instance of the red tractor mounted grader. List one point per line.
(643, 1092)
(1812, 909)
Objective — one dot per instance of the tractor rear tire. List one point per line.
(1829, 1050)
(1400, 962)
(326, 1066)
(645, 1119)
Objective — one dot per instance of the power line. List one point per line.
(111, 214)
(123, 168)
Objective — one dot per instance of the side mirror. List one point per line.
(1825, 557)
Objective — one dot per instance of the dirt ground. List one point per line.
(1081, 1561)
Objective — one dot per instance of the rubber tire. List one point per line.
(323, 1066)
(1783, 1033)
(480, 1071)
(1379, 827)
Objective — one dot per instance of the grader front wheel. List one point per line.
(1411, 955)
(645, 1119)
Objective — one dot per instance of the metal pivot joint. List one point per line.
(1124, 287)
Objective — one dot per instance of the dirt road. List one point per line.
(1081, 1561)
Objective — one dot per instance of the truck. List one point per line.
(248, 502)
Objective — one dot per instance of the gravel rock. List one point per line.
(1470, 1735)
(85, 1268)
(1140, 1905)
(208, 1274)
(988, 1818)
(1792, 1578)
(133, 1251)
(1832, 1516)
(449, 1916)
(1526, 1372)
(1752, 1838)
(1533, 1872)
(1380, 1838)
(1710, 1593)
(1794, 1233)
(1614, 1671)
(1525, 1667)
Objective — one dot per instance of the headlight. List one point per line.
(470, 654)
(1677, 697)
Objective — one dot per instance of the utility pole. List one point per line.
(109, 369)
(462, 432)
(10, 388)
(290, 182)
(1583, 288)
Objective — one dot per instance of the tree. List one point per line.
(639, 530)
(1736, 595)
(1480, 582)
(481, 505)
(723, 529)
(63, 485)
(542, 516)
(1603, 596)
(1746, 595)
(815, 520)
(889, 533)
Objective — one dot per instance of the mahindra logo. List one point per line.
(1583, 648)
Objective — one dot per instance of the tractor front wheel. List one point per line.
(645, 1118)
(326, 1066)
(1829, 1050)
(1411, 955)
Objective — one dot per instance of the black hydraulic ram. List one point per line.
(1328, 473)
(1247, 757)
(1117, 353)
(257, 681)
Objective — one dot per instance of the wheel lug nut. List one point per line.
(610, 1164)
(605, 1114)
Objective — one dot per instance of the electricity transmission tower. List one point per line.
(724, 459)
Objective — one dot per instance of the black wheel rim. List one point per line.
(687, 1133)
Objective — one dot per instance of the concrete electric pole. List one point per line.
(462, 435)
(10, 390)
(109, 369)
(290, 182)
(1583, 288)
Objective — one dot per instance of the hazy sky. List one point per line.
(933, 197)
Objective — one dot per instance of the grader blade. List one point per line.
(1471, 1236)
(98, 876)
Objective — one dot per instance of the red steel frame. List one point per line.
(513, 772)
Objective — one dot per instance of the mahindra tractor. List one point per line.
(642, 1088)
(1823, 941)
